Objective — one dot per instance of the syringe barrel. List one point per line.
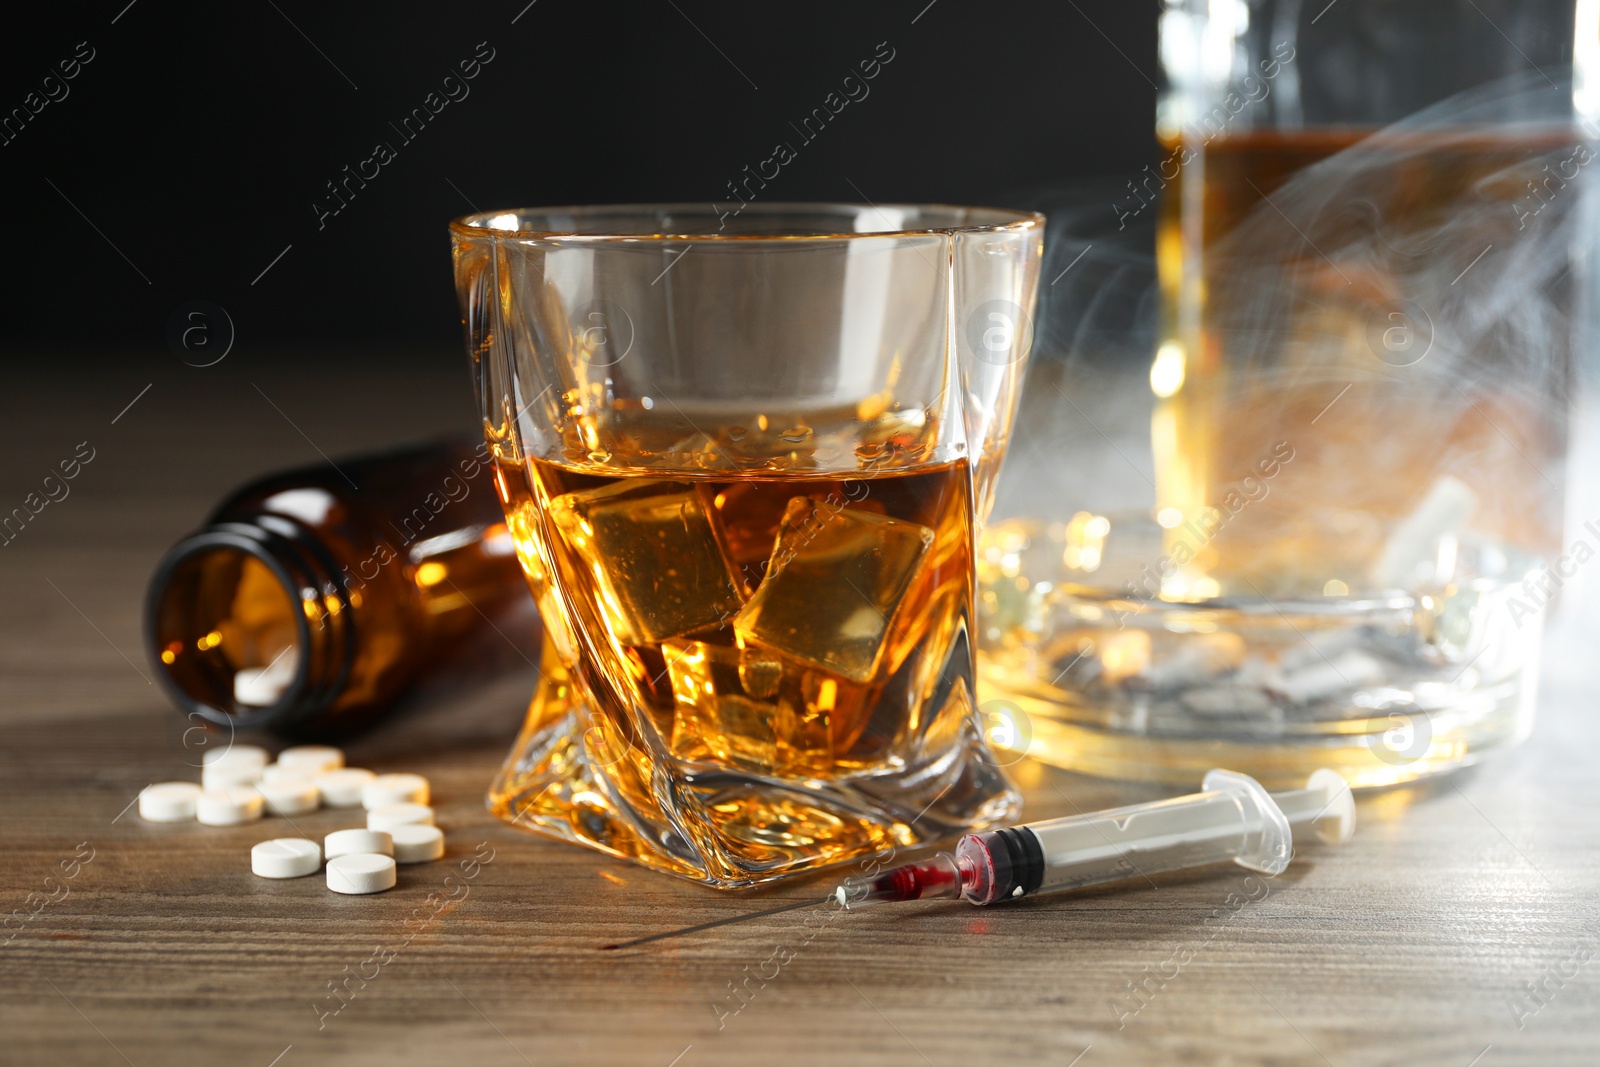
(1233, 818)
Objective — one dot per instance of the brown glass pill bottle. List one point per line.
(312, 601)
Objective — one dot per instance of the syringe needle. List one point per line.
(718, 922)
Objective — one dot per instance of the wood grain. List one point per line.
(1408, 946)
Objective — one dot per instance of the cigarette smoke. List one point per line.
(1430, 276)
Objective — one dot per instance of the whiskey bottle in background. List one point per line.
(1373, 264)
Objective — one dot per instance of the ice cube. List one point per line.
(759, 673)
(807, 718)
(657, 566)
(836, 578)
(715, 719)
(747, 515)
(811, 717)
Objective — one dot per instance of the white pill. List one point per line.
(312, 758)
(228, 806)
(256, 687)
(168, 801)
(416, 843)
(225, 775)
(395, 789)
(238, 754)
(346, 842)
(391, 815)
(294, 796)
(262, 687)
(360, 872)
(277, 772)
(286, 857)
(342, 788)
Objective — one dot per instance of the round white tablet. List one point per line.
(227, 775)
(237, 754)
(313, 759)
(286, 857)
(342, 788)
(228, 806)
(391, 815)
(360, 872)
(168, 801)
(346, 842)
(277, 772)
(395, 789)
(292, 796)
(258, 687)
(417, 843)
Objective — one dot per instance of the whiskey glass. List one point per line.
(743, 451)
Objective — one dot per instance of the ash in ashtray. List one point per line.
(1244, 666)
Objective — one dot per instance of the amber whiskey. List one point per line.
(753, 627)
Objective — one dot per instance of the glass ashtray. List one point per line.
(1097, 658)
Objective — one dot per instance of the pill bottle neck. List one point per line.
(251, 624)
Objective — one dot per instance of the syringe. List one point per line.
(1231, 818)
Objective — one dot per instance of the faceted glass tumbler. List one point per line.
(744, 452)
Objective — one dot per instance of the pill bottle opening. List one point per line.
(227, 632)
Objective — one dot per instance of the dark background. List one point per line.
(190, 149)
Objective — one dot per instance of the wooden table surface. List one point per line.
(1459, 927)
